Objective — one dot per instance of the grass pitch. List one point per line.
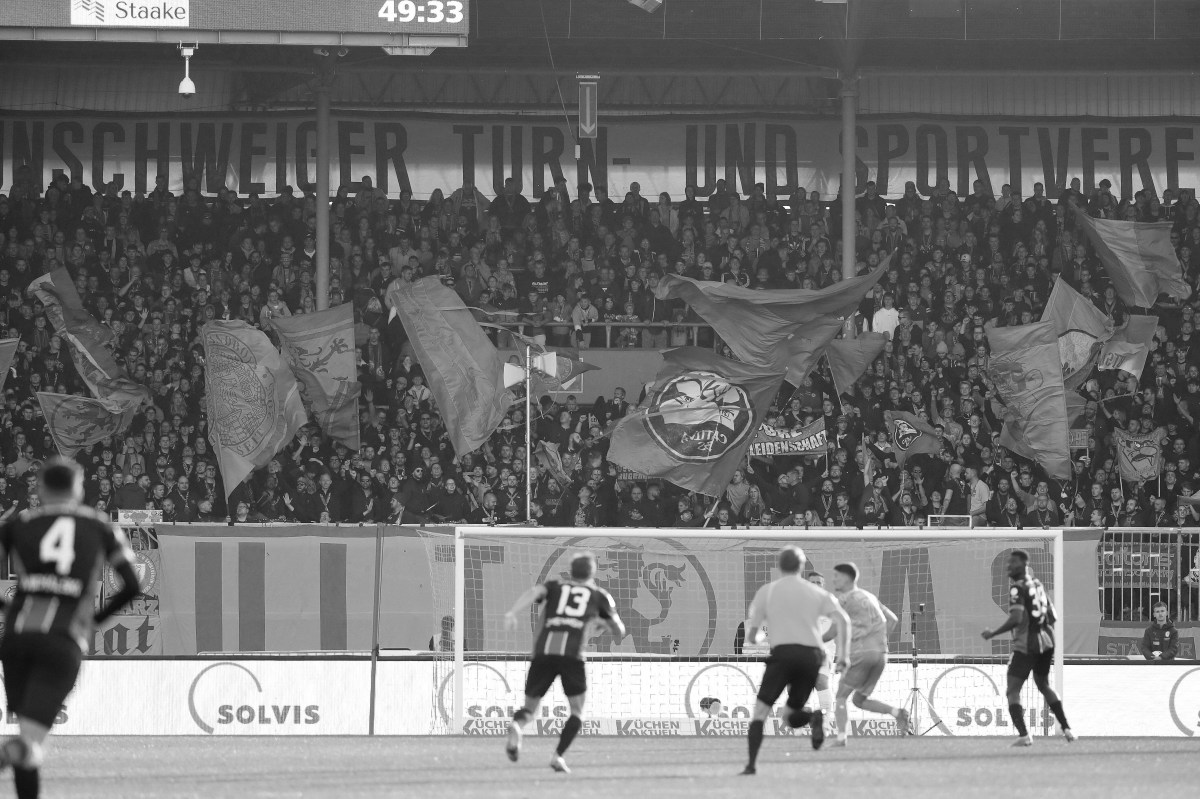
(459, 767)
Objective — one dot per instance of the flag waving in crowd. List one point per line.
(319, 347)
(1027, 373)
(1138, 257)
(463, 368)
(1129, 347)
(1139, 455)
(254, 407)
(76, 423)
(8, 348)
(1082, 329)
(911, 435)
(850, 357)
(697, 420)
(758, 324)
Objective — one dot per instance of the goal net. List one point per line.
(684, 596)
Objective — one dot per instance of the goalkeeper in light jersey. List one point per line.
(825, 680)
(870, 622)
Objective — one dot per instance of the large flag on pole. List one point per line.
(1129, 346)
(463, 368)
(8, 348)
(850, 357)
(1025, 368)
(697, 420)
(1139, 455)
(1138, 258)
(76, 423)
(808, 342)
(548, 457)
(320, 349)
(757, 324)
(1082, 329)
(911, 435)
(87, 340)
(253, 400)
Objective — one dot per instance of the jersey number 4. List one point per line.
(58, 545)
(573, 601)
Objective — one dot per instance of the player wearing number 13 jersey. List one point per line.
(558, 650)
(1031, 619)
(57, 552)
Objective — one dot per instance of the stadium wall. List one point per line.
(311, 588)
(304, 696)
(222, 589)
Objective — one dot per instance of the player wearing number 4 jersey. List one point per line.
(558, 650)
(57, 552)
(1031, 618)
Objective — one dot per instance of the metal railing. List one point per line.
(606, 335)
(1140, 567)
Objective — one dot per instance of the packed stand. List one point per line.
(582, 270)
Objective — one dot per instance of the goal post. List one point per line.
(684, 593)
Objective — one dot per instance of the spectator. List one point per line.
(1160, 642)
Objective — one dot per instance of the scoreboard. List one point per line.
(363, 22)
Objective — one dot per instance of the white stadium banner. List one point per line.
(148, 696)
(422, 152)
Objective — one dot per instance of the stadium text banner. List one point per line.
(255, 154)
(296, 696)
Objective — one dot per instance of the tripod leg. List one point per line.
(918, 699)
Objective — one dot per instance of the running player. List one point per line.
(1031, 618)
(558, 650)
(825, 680)
(871, 622)
(57, 551)
(792, 607)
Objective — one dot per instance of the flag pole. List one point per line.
(528, 433)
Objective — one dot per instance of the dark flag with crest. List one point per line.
(76, 423)
(1026, 370)
(253, 400)
(320, 349)
(911, 435)
(697, 420)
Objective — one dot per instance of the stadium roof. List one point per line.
(739, 36)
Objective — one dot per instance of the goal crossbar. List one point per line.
(794, 535)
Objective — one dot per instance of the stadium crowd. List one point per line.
(582, 269)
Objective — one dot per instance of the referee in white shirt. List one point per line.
(792, 609)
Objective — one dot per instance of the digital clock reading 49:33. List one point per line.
(431, 11)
